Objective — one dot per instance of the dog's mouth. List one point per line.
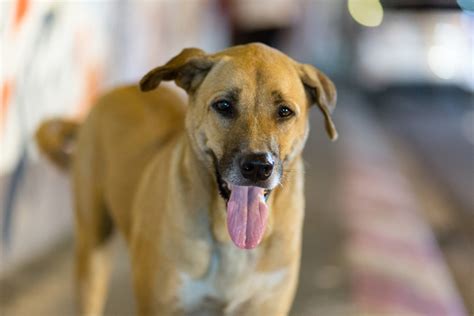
(247, 212)
(225, 191)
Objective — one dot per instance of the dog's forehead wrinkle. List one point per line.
(259, 94)
(259, 77)
(278, 97)
(232, 93)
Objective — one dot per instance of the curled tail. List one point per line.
(56, 139)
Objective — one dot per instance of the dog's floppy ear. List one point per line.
(187, 69)
(322, 93)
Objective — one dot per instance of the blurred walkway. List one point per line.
(396, 265)
(343, 272)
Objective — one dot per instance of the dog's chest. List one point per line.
(231, 279)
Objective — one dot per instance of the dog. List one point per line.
(209, 195)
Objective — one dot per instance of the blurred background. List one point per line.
(389, 226)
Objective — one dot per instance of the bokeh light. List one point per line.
(467, 6)
(366, 12)
(441, 61)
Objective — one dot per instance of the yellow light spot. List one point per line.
(366, 12)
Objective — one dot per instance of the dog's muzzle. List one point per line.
(245, 184)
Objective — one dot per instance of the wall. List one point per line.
(56, 57)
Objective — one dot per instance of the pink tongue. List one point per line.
(246, 216)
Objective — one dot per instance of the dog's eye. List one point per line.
(223, 107)
(284, 112)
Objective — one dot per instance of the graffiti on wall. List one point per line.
(56, 57)
(53, 59)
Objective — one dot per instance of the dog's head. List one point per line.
(247, 120)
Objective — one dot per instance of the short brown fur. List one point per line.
(141, 164)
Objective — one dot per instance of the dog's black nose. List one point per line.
(256, 167)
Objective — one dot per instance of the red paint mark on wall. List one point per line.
(20, 11)
(91, 74)
(92, 79)
(6, 93)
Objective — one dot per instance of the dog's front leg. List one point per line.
(154, 281)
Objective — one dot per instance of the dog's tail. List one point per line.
(56, 139)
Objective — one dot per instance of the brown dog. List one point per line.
(209, 196)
